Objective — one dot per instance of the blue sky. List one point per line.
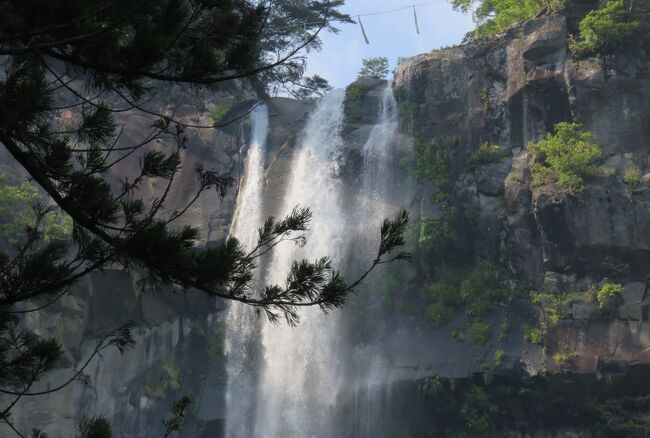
(392, 35)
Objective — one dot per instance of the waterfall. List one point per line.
(375, 194)
(241, 323)
(378, 156)
(289, 386)
(298, 378)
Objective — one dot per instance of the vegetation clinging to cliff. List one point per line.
(493, 16)
(567, 157)
(602, 29)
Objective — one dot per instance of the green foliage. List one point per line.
(17, 214)
(478, 411)
(430, 162)
(632, 176)
(478, 332)
(407, 114)
(486, 154)
(624, 415)
(174, 419)
(444, 295)
(164, 377)
(219, 110)
(554, 306)
(353, 95)
(607, 292)
(433, 386)
(216, 342)
(396, 281)
(312, 87)
(563, 359)
(473, 290)
(535, 335)
(493, 16)
(439, 313)
(376, 68)
(499, 355)
(95, 428)
(568, 157)
(481, 287)
(437, 234)
(355, 92)
(603, 29)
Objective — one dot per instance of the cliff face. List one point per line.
(509, 91)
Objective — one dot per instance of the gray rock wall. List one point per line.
(511, 90)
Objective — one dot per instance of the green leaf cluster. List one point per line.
(165, 376)
(478, 332)
(478, 411)
(607, 292)
(429, 162)
(535, 335)
(493, 16)
(605, 28)
(218, 111)
(632, 176)
(472, 291)
(486, 154)
(17, 213)
(353, 108)
(433, 385)
(437, 235)
(376, 68)
(567, 157)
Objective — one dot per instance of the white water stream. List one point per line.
(298, 380)
(241, 322)
(290, 389)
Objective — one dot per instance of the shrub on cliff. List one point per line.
(632, 176)
(567, 157)
(605, 28)
(486, 154)
(493, 16)
(478, 332)
(607, 292)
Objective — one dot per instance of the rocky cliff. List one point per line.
(511, 90)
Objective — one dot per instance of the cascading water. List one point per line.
(241, 323)
(375, 195)
(377, 161)
(298, 379)
(291, 388)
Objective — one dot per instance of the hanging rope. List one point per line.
(370, 14)
(415, 16)
(363, 31)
